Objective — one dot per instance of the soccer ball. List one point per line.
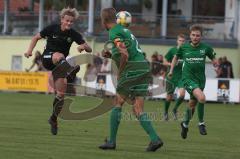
(124, 18)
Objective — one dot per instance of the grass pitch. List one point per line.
(25, 134)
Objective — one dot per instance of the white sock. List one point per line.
(186, 126)
(201, 123)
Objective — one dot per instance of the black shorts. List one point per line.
(47, 60)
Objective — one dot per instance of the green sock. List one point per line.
(147, 126)
(114, 123)
(200, 110)
(166, 106)
(188, 116)
(178, 103)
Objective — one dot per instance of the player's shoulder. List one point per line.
(73, 31)
(173, 49)
(205, 45)
(186, 45)
(118, 30)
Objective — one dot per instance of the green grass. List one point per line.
(24, 132)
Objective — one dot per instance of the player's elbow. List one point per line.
(36, 37)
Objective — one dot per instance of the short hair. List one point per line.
(108, 15)
(70, 12)
(196, 27)
(181, 36)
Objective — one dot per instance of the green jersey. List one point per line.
(120, 33)
(194, 61)
(135, 77)
(177, 71)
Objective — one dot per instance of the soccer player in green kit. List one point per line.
(193, 75)
(175, 80)
(133, 79)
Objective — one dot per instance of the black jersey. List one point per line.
(60, 41)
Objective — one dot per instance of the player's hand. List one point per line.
(84, 47)
(169, 75)
(80, 48)
(106, 54)
(28, 54)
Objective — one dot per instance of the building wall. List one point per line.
(17, 46)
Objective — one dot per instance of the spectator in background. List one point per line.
(106, 66)
(37, 61)
(180, 15)
(218, 68)
(52, 16)
(98, 61)
(226, 66)
(91, 73)
(155, 65)
(160, 58)
(163, 68)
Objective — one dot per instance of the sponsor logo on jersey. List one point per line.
(202, 52)
(125, 30)
(195, 59)
(69, 39)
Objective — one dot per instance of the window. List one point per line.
(209, 7)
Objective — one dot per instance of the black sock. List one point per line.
(57, 107)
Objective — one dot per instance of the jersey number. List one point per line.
(137, 45)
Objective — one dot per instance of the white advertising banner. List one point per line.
(221, 90)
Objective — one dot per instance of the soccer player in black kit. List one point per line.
(59, 40)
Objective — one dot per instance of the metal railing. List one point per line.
(145, 26)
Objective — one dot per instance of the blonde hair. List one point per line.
(108, 15)
(181, 36)
(70, 12)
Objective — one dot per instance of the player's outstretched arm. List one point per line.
(32, 45)
(85, 47)
(174, 61)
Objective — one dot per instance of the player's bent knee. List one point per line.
(202, 99)
(56, 57)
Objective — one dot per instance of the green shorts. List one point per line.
(134, 80)
(172, 84)
(190, 85)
